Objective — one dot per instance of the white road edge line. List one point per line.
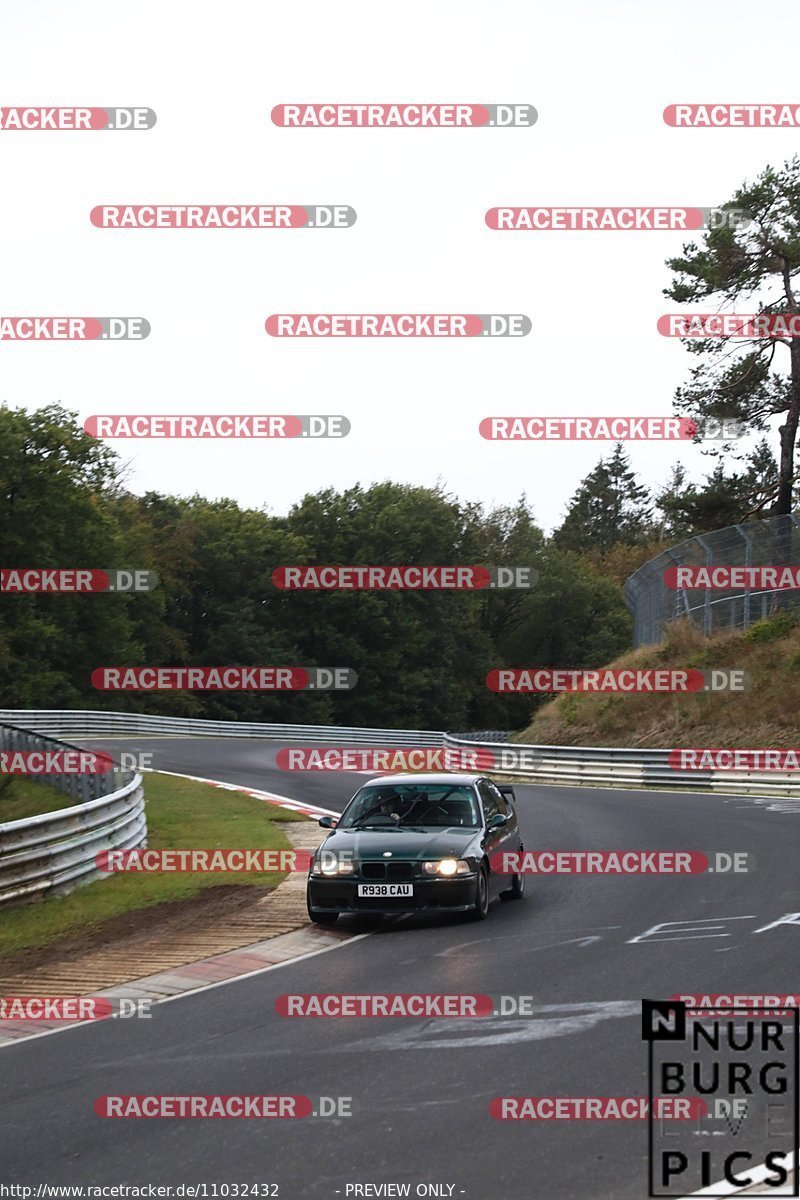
(309, 810)
(202, 987)
(759, 1173)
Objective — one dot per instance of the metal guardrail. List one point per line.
(594, 766)
(55, 852)
(81, 788)
(94, 723)
(598, 766)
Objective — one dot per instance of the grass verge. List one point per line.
(181, 814)
(21, 797)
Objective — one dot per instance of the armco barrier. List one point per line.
(594, 766)
(92, 723)
(598, 766)
(55, 852)
(79, 787)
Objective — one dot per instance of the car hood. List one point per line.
(406, 844)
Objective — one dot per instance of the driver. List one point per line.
(388, 803)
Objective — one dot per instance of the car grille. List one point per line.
(387, 870)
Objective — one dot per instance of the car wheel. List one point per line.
(481, 909)
(517, 889)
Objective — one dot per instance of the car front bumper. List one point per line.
(341, 895)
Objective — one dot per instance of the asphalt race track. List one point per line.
(585, 948)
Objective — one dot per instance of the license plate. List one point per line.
(386, 889)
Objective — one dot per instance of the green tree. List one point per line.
(420, 656)
(722, 499)
(609, 507)
(574, 618)
(55, 486)
(748, 268)
(214, 561)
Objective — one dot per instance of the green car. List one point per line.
(416, 843)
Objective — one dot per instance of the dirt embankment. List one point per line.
(765, 714)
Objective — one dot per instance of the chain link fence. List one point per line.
(483, 735)
(774, 542)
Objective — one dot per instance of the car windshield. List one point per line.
(423, 805)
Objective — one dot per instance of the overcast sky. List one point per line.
(599, 74)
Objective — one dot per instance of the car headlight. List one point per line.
(331, 865)
(446, 867)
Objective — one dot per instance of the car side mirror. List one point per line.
(497, 821)
(329, 822)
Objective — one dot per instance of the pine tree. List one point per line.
(609, 507)
(748, 267)
(721, 500)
